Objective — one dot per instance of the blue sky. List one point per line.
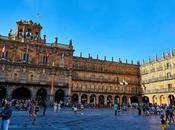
(126, 29)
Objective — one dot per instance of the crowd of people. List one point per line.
(32, 107)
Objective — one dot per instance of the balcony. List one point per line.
(158, 79)
(163, 90)
(97, 90)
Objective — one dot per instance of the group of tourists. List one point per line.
(165, 112)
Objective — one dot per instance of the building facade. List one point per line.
(158, 80)
(32, 68)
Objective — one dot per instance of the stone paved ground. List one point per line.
(92, 119)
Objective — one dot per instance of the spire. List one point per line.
(97, 56)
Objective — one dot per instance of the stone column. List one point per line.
(97, 99)
(88, 99)
(129, 100)
(105, 100)
(79, 98)
(69, 85)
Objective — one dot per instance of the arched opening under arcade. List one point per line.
(154, 98)
(134, 99)
(171, 100)
(21, 93)
(3, 92)
(59, 95)
(74, 98)
(84, 99)
(41, 94)
(117, 99)
(163, 100)
(101, 100)
(109, 101)
(124, 100)
(145, 99)
(93, 99)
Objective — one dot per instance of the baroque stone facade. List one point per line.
(32, 68)
(158, 79)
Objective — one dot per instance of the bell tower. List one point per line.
(28, 32)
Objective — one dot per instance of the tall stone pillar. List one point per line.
(79, 98)
(105, 98)
(97, 99)
(88, 99)
(69, 85)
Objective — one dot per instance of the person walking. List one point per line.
(116, 109)
(34, 113)
(6, 114)
(44, 107)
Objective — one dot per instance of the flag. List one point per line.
(3, 49)
(121, 83)
(124, 81)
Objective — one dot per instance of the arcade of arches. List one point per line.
(160, 99)
(102, 99)
(27, 93)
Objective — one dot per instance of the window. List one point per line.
(45, 60)
(168, 65)
(169, 75)
(25, 57)
(169, 86)
(4, 55)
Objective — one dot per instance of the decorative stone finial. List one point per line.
(126, 61)
(172, 53)
(112, 59)
(97, 56)
(44, 39)
(89, 55)
(131, 61)
(105, 58)
(56, 40)
(80, 54)
(156, 59)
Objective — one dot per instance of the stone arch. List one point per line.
(162, 100)
(154, 98)
(21, 93)
(124, 100)
(145, 99)
(134, 99)
(3, 92)
(101, 100)
(116, 99)
(84, 99)
(59, 95)
(109, 100)
(74, 98)
(171, 99)
(41, 94)
(93, 98)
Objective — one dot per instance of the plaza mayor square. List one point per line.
(87, 65)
